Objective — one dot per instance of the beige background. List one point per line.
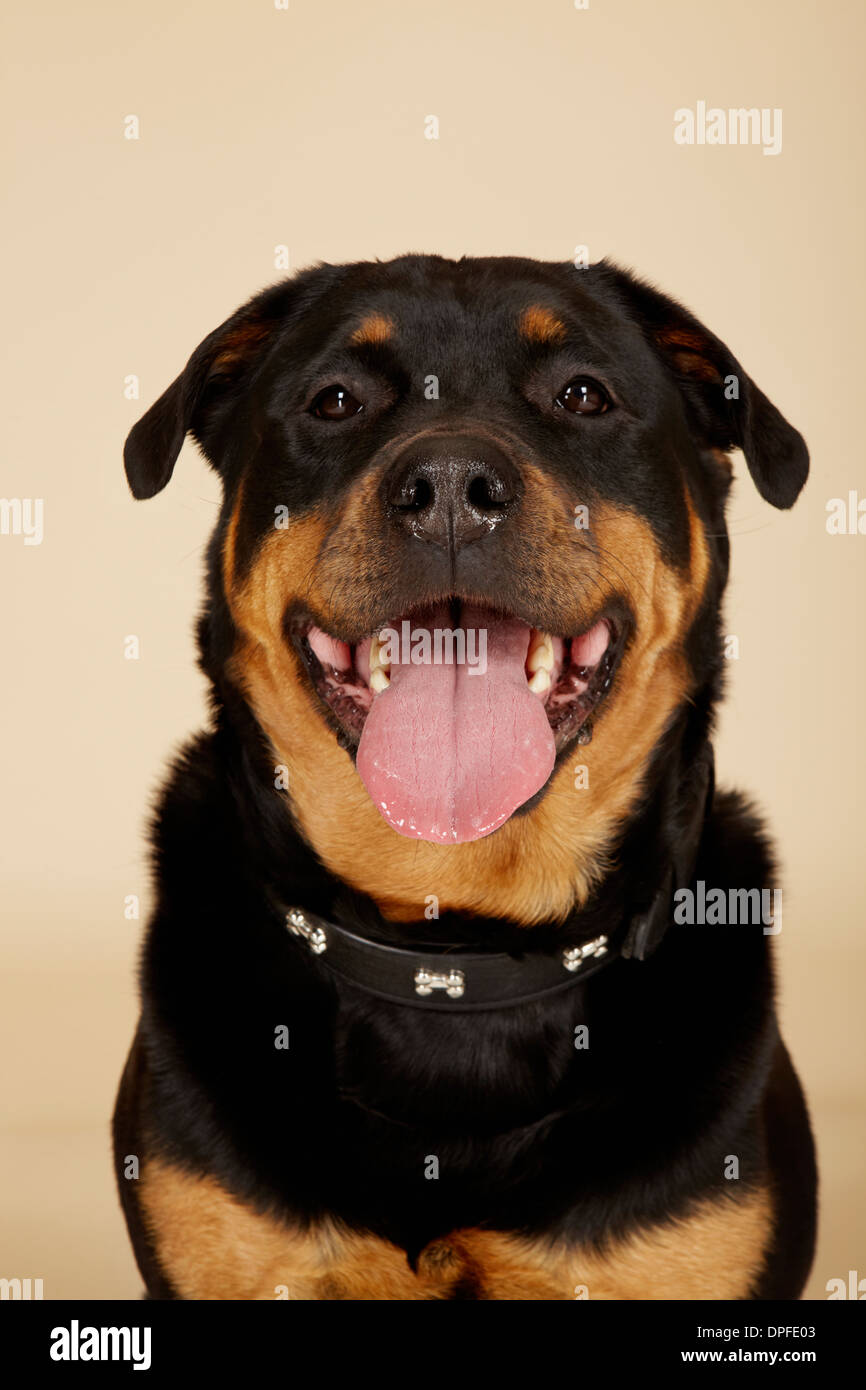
(306, 127)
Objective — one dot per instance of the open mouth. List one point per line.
(459, 711)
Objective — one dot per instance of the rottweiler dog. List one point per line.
(459, 981)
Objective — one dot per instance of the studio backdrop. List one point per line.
(168, 161)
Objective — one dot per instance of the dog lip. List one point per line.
(570, 715)
(345, 701)
(346, 697)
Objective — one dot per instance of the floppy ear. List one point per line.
(725, 406)
(224, 358)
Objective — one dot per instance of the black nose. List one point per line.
(452, 489)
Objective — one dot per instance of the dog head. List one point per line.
(470, 557)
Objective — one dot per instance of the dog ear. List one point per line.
(224, 359)
(725, 406)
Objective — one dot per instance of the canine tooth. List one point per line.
(540, 683)
(540, 657)
(376, 646)
(379, 679)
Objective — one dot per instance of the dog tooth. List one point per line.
(540, 682)
(379, 680)
(540, 656)
(376, 660)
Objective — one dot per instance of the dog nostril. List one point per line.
(414, 494)
(450, 490)
(488, 494)
(418, 495)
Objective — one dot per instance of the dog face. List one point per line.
(472, 549)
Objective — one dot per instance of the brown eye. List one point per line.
(335, 403)
(583, 396)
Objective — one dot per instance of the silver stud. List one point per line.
(453, 982)
(299, 926)
(573, 957)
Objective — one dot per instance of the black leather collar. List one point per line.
(452, 980)
(455, 979)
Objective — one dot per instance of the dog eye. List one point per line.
(583, 396)
(335, 403)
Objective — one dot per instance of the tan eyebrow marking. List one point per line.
(540, 325)
(375, 328)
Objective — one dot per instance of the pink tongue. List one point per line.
(448, 755)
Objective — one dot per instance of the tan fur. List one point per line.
(239, 342)
(693, 364)
(375, 329)
(211, 1245)
(693, 357)
(231, 537)
(540, 325)
(681, 337)
(538, 866)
